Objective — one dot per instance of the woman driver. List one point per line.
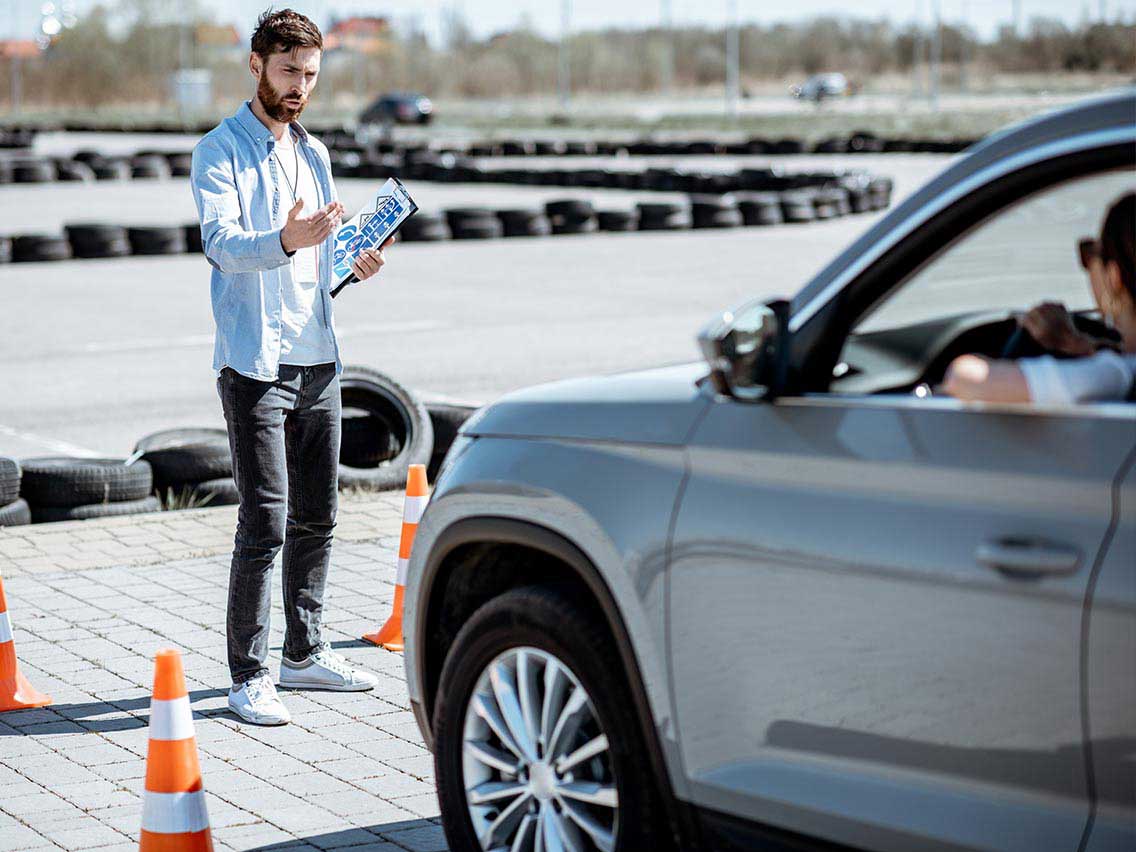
(1098, 371)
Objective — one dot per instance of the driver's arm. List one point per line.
(975, 377)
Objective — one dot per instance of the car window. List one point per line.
(1023, 255)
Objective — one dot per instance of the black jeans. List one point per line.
(284, 438)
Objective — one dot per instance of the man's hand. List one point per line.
(305, 231)
(1051, 325)
(370, 261)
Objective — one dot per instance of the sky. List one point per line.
(21, 17)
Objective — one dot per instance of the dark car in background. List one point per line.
(399, 108)
(791, 597)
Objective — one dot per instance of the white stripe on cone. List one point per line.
(174, 813)
(171, 719)
(403, 571)
(5, 628)
(413, 508)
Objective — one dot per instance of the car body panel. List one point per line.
(841, 663)
(612, 501)
(657, 406)
(1110, 678)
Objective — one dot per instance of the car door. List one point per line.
(875, 600)
(1110, 677)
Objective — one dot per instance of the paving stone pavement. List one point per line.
(92, 601)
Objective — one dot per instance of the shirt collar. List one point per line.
(261, 134)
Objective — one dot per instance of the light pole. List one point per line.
(732, 50)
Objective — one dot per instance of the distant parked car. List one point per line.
(399, 108)
(793, 597)
(821, 86)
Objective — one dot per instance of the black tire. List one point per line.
(715, 212)
(524, 223)
(50, 514)
(473, 223)
(180, 163)
(617, 220)
(149, 166)
(111, 169)
(797, 206)
(97, 240)
(571, 216)
(15, 514)
(31, 248)
(71, 170)
(193, 243)
(662, 216)
(9, 480)
(216, 492)
(181, 457)
(370, 390)
(64, 482)
(446, 420)
(522, 618)
(157, 240)
(424, 227)
(33, 171)
(760, 208)
(367, 439)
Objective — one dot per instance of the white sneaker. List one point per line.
(325, 669)
(256, 701)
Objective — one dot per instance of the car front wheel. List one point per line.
(537, 745)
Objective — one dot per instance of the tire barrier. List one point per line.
(157, 240)
(473, 223)
(74, 170)
(571, 216)
(215, 492)
(618, 220)
(76, 489)
(446, 420)
(14, 510)
(715, 211)
(410, 428)
(666, 216)
(524, 223)
(425, 227)
(97, 240)
(40, 247)
(183, 458)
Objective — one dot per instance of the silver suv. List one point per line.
(790, 595)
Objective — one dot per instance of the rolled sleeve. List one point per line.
(1102, 377)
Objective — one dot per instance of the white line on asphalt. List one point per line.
(52, 444)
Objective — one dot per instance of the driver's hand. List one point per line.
(1051, 325)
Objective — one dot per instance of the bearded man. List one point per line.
(267, 206)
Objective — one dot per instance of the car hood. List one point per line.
(657, 406)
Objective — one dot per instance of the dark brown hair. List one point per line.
(1118, 239)
(284, 31)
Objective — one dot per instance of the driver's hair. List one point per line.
(1118, 239)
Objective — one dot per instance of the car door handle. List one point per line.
(1028, 557)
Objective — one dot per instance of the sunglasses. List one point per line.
(1088, 250)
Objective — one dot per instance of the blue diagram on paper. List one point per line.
(371, 226)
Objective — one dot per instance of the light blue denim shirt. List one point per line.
(236, 187)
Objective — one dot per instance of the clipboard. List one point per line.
(369, 228)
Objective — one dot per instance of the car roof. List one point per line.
(1113, 111)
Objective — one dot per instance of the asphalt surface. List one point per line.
(97, 353)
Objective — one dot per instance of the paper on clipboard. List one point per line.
(369, 228)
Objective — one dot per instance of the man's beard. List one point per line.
(273, 102)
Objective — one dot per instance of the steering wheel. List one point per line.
(1021, 344)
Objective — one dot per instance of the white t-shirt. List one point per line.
(305, 336)
(1106, 376)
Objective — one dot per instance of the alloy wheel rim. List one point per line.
(536, 764)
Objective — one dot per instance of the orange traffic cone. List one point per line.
(15, 691)
(390, 634)
(174, 818)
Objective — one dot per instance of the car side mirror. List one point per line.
(746, 350)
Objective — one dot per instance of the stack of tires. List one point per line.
(715, 211)
(571, 216)
(14, 510)
(473, 223)
(524, 223)
(192, 467)
(385, 430)
(663, 216)
(72, 489)
(97, 240)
